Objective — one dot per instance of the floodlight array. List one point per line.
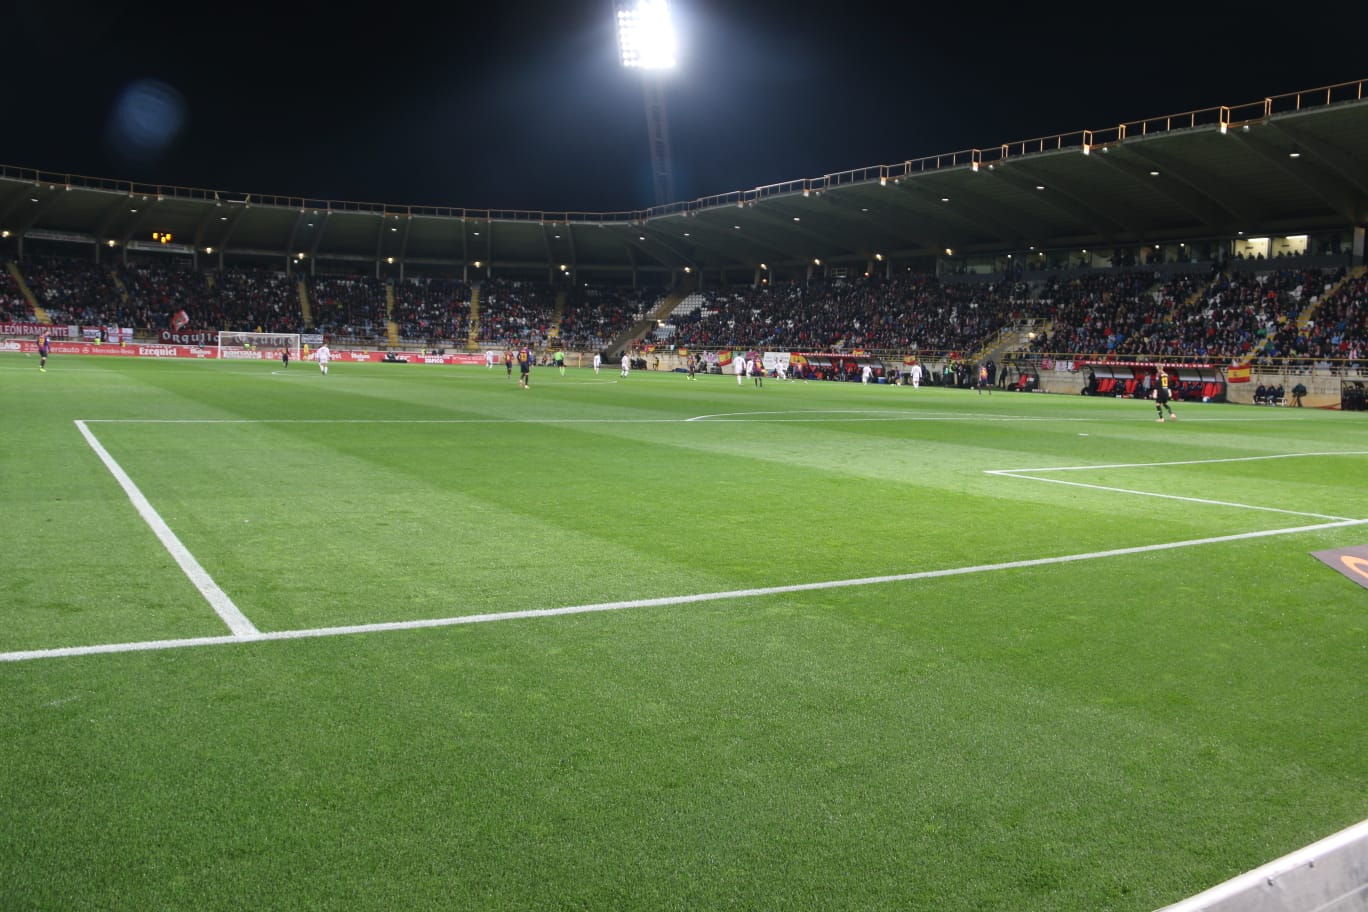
(646, 36)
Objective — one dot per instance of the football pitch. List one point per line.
(410, 637)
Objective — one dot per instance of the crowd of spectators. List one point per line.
(1296, 316)
(1335, 336)
(1224, 316)
(355, 307)
(513, 312)
(594, 316)
(1095, 312)
(432, 310)
(13, 307)
(154, 293)
(72, 291)
(145, 296)
(907, 312)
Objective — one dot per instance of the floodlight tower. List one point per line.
(646, 40)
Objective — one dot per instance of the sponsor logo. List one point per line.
(165, 336)
(33, 329)
(434, 359)
(1352, 562)
(10, 346)
(240, 355)
(157, 351)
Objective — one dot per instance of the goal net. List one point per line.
(253, 346)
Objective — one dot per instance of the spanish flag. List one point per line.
(724, 357)
(1238, 374)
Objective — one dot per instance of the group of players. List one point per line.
(523, 358)
(744, 366)
(322, 355)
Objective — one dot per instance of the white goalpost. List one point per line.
(254, 346)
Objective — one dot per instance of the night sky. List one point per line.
(524, 105)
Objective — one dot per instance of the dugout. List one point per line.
(1353, 396)
(1027, 378)
(1187, 383)
(834, 366)
(1201, 383)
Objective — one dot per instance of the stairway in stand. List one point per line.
(664, 307)
(391, 328)
(305, 311)
(473, 336)
(553, 331)
(1309, 311)
(39, 315)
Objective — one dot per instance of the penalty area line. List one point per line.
(657, 602)
(218, 599)
(1030, 475)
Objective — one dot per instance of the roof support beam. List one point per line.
(1103, 224)
(1187, 186)
(668, 243)
(731, 248)
(324, 220)
(828, 245)
(851, 212)
(966, 207)
(403, 243)
(1340, 183)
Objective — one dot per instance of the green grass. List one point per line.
(1106, 734)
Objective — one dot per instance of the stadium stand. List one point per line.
(1295, 318)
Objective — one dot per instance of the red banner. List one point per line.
(153, 350)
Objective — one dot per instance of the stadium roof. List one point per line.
(1289, 164)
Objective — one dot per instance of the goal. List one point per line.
(253, 346)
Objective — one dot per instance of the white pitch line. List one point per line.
(217, 598)
(314, 633)
(1148, 465)
(780, 417)
(721, 418)
(1027, 475)
(1200, 500)
(868, 415)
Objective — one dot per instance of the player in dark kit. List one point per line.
(284, 357)
(1161, 398)
(44, 348)
(524, 367)
(508, 362)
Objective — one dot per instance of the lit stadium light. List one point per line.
(646, 35)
